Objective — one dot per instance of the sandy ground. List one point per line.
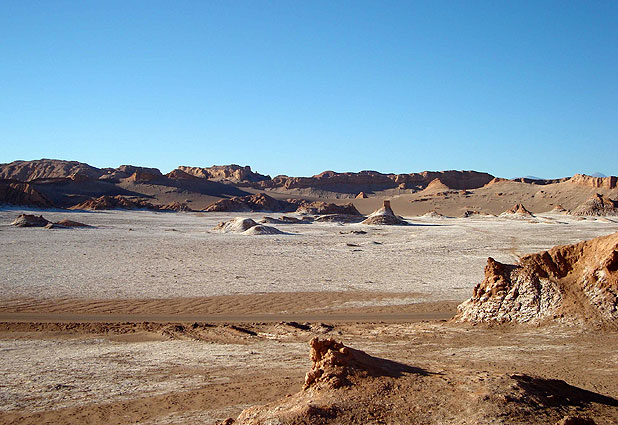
(167, 255)
(186, 374)
(151, 318)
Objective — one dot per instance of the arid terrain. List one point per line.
(157, 317)
(138, 297)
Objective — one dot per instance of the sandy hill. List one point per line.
(570, 283)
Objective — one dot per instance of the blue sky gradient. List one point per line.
(511, 88)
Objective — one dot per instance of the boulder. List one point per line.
(29, 220)
(235, 225)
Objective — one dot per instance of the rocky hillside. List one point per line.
(17, 193)
(572, 283)
(217, 188)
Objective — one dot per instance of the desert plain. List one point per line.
(156, 318)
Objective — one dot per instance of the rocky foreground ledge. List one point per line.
(349, 386)
(570, 284)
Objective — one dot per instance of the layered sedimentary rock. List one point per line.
(233, 173)
(517, 210)
(26, 171)
(245, 226)
(106, 202)
(29, 220)
(384, 215)
(596, 182)
(16, 193)
(372, 180)
(596, 205)
(176, 206)
(570, 283)
(324, 208)
(257, 202)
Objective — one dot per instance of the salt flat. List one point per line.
(141, 254)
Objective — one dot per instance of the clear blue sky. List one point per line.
(297, 87)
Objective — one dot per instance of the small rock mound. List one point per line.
(571, 283)
(235, 225)
(286, 220)
(257, 202)
(262, 230)
(327, 208)
(29, 220)
(384, 215)
(339, 218)
(433, 214)
(518, 210)
(335, 365)
(176, 206)
(596, 205)
(559, 209)
(65, 224)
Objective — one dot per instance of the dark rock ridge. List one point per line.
(257, 202)
(353, 183)
(16, 193)
(570, 283)
(265, 203)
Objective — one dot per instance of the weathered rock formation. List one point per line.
(434, 214)
(257, 202)
(233, 173)
(29, 220)
(235, 225)
(339, 218)
(349, 386)
(65, 224)
(106, 202)
(27, 171)
(352, 183)
(517, 210)
(559, 209)
(323, 208)
(596, 182)
(262, 230)
(16, 193)
(570, 283)
(176, 206)
(384, 215)
(245, 226)
(596, 205)
(286, 220)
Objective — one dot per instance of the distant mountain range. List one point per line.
(65, 184)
